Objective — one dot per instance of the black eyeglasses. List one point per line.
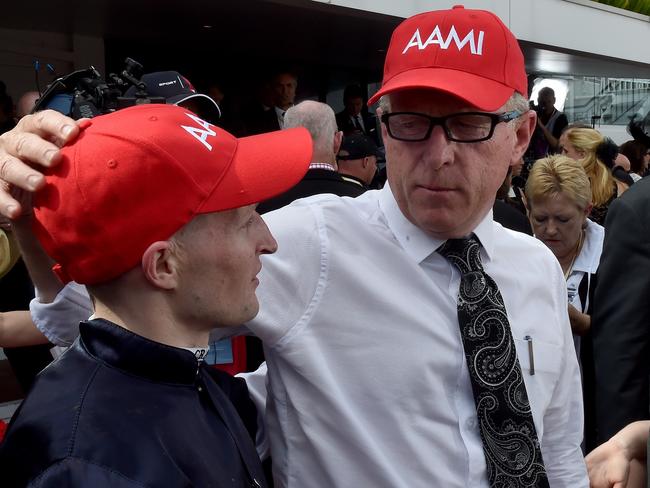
(460, 127)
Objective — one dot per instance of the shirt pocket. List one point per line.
(540, 375)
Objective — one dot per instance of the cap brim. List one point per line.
(263, 166)
(205, 101)
(479, 92)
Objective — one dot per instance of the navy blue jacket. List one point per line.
(122, 411)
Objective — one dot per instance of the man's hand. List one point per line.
(620, 462)
(34, 141)
(580, 322)
(608, 465)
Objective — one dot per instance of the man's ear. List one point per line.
(523, 134)
(365, 162)
(338, 139)
(160, 265)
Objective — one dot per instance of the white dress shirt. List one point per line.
(59, 320)
(358, 119)
(367, 381)
(367, 384)
(586, 263)
(279, 113)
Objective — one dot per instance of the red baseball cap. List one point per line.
(138, 175)
(470, 54)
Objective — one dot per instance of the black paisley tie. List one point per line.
(510, 442)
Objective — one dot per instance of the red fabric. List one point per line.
(138, 175)
(468, 53)
(3, 429)
(238, 356)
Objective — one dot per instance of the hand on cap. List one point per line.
(35, 141)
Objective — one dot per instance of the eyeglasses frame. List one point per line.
(442, 121)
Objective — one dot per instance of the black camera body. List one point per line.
(85, 94)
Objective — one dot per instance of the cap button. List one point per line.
(153, 118)
(458, 6)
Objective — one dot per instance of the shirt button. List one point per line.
(471, 424)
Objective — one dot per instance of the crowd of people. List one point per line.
(465, 317)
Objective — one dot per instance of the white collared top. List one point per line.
(367, 381)
(586, 262)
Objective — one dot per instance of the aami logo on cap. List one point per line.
(436, 37)
(200, 134)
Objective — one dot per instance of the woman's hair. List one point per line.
(558, 175)
(590, 142)
(635, 151)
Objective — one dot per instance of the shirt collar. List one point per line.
(589, 257)
(326, 166)
(418, 244)
(137, 355)
(353, 179)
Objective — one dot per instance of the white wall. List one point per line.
(579, 25)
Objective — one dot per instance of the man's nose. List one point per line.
(439, 148)
(267, 244)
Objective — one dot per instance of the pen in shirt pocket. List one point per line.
(531, 355)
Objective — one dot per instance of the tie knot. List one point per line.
(463, 253)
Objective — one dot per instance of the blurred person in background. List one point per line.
(355, 118)
(558, 195)
(26, 103)
(550, 124)
(583, 145)
(639, 156)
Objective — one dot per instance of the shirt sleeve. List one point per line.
(73, 472)
(564, 417)
(293, 279)
(59, 320)
(256, 383)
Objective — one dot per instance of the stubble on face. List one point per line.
(221, 259)
(445, 188)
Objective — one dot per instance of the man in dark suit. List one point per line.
(322, 176)
(283, 89)
(355, 119)
(621, 318)
(357, 159)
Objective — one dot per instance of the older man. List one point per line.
(411, 341)
(322, 176)
(135, 211)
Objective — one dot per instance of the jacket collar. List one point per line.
(137, 355)
(354, 179)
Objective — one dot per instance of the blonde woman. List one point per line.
(589, 147)
(559, 200)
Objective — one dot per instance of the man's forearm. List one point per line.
(38, 263)
(17, 330)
